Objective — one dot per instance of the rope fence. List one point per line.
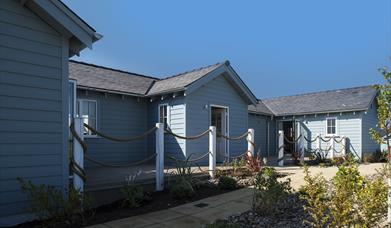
(187, 137)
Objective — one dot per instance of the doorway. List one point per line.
(219, 119)
(289, 132)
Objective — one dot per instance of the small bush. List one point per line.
(227, 183)
(182, 189)
(253, 163)
(372, 157)
(349, 200)
(134, 196)
(53, 206)
(269, 191)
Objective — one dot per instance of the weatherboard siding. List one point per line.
(33, 107)
(216, 92)
(265, 139)
(173, 146)
(348, 124)
(369, 120)
(117, 116)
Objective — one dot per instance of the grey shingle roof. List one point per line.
(98, 77)
(180, 81)
(350, 99)
(260, 108)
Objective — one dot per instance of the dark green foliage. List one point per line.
(134, 196)
(182, 189)
(227, 183)
(268, 191)
(53, 207)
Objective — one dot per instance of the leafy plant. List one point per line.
(182, 189)
(315, 195)
(349, 200)
(253, 163)
(268, 191)
(227, 183)
(53, 206)
(134, 195)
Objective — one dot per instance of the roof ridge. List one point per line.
(311, 93)
(193, 70)
(113, 69)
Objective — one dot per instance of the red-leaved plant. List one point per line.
(253, 163)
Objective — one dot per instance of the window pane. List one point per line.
(92, 109)
(84, 107)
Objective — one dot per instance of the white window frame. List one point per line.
(336, 126)
(168, 114)
(73, 115)
(96, 113)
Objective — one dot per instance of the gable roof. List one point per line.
(65, 21)
(340, 100)
(260, 108)
(101, 78)
(96, 77)
(181, 81)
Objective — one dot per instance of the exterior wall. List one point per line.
(216, 92)
(348, 124)
(121, 117)
(33, 107)
(369, 120)
(265, 134)
(174, 147)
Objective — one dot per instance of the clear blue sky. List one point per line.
(278, 47)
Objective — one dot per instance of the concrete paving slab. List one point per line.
(185, 222)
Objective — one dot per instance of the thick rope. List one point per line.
(311, 141)
(120, 165)
(234, 157)
(294, 141)
(187, 137)
(138, 137)
(77, 137)
(325, 140)
(232, 138)
(189, 160)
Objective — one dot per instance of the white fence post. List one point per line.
(301, 147)
(332, 147)
(251, 141)
(78, 154)
(212, 151)
(280, 148)
(319, 143)
(344, 149)
(159, 157)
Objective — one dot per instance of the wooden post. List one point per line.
(301, 147)
(344, 150)
(212, 151)
(280, 148)
(318, 143)
(332, 147)
(159, 157)
(250, 141)
(78, 154)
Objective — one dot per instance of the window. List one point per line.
(87, 109)
(331, 126)
(163, 115)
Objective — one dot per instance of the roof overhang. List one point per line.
(66, 22)
(232, 77)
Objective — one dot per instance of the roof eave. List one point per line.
(321, 112)
(59, 16)
(109, 91)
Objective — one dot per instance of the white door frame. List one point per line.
(227, 151)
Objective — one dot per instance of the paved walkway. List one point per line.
(190, 215)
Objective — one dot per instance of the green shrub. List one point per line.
(349, 200)
(227, 183)
(182, 189)
(134, 196)
(53, 206)
(268, 191)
